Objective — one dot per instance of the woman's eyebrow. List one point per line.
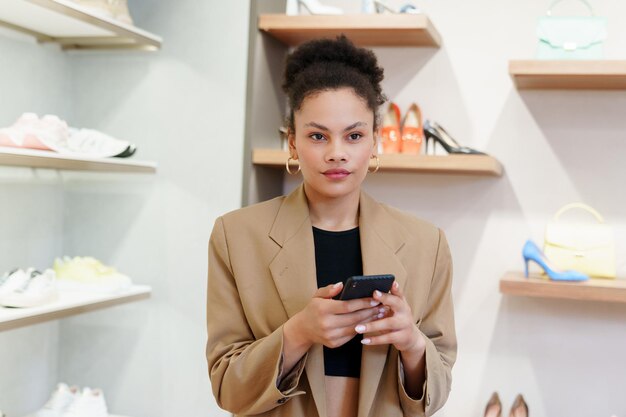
(322, 127)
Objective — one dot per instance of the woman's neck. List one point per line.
(333, 213)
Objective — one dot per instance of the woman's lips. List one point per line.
(336, 174)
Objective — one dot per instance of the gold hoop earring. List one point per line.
(287, 166)
(377, 165)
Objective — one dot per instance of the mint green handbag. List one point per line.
(571, 37)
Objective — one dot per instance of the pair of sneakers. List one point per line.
(68, 401)
(28, 288)
(50, 133)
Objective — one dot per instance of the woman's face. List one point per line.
(333, 141)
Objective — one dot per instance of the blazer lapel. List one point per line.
(381, 239)
(294, 274)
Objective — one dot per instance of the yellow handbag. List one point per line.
(587, 247)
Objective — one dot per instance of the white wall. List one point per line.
(184, 108)
(32, 77)
(556, 147)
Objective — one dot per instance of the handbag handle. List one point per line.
(555, 2)
(581, 206)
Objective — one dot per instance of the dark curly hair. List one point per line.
(326, 64)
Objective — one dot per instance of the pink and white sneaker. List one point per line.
(29, 131)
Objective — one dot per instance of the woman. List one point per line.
(279, 344)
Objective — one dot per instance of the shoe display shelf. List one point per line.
(45, 159)
(68, 304)
(480, 165)
(73, 27)
(569, 75)
(605, 290)
(363, 29)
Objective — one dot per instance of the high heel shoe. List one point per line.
(412, 131)
(519, 408)
(437, 133)
(531, 252)
(391, 138)
(313, 6)
(494, 406)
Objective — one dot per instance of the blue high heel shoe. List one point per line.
(531, 252)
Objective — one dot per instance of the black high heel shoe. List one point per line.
(437, 133)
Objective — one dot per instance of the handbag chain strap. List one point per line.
(555, 2)
(581, 206)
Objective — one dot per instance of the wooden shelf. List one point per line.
(46, 159)
(514, 283)
(448, 164)
(69, 303)
(575, 75)
(110, 415)
(73, 27)
(362, 29)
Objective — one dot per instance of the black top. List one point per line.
(338, 257)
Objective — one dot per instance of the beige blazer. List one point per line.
(262, 272)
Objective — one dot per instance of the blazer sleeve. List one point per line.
(245, 372)
(437, 326)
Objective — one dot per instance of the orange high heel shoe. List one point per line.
(412, 131)
(494, 406)
(390, 132)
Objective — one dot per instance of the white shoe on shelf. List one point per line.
(14, 280)
(313, 6)
(89, 403)
(89, 142)
(59, 401)
(39, 290)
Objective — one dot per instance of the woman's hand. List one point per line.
(331, 322)
(397, 328)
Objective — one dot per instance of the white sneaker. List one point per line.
(93, 143)
(89, 403)
(59, 401)
(29, 131)
(40, 289)
(14, 280)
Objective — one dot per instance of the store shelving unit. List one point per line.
(73, 27)
(364, 29)
(69, 304)
(573, 75)
(514, 283)
(47, 159)
(482, 165)
(272, 34)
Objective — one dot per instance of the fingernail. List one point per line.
(360, 328)
(380, 316)
(366, 341)
(374, 303)
(381, 310)
(337, 284)
(395, 285)
(377, 293)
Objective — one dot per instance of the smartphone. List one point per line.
(363, 286)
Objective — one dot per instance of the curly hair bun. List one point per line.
(324, 64)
